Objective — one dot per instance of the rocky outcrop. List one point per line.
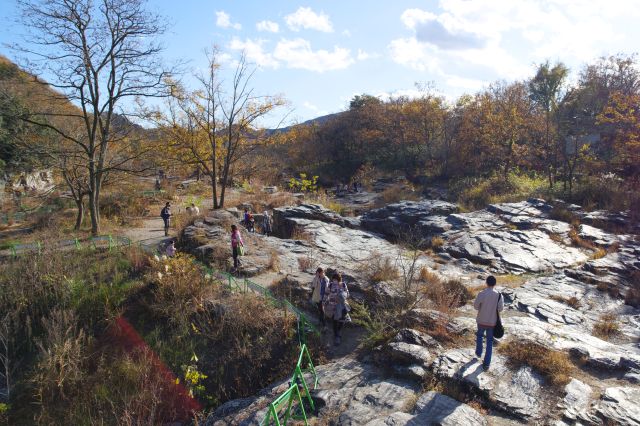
(620, 406)
(519, 393)
(284, 225)
(434, 408)
(407, 216)
(514, 250)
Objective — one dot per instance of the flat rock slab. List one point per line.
(518, 393)
(434, 408)
(620, 405)
(513, 250)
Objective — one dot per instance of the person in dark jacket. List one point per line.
(165, 214)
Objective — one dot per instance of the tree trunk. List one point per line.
(80, 216)
(93, 205)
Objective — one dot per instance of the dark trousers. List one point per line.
(166, 225)
(337, 328)
(236, 257)
(321, 313)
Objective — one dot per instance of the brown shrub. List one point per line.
(180, 289)
(562, 214)
(379, 268)
(305, 263)
(395, 194)
(274, 261)
(606, 327)
(448, 294)
(555, 366)
(572, 301)
(436, 243)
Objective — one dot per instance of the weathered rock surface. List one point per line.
(620, 406)
(518, 393)
(577, 400)
(514, 251)
(395, 219)
(434, 408)
(284, 227)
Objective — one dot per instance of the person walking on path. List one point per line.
(320, 282)
(165, 213)
(193, 210)
(336, 306)
(267, 223)
(237, 247)
(488, 303)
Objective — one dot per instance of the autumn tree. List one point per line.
(546, 90)
(216, 126)
(97, 54)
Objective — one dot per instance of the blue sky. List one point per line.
(319, 54)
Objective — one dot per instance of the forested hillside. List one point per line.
(545, 128)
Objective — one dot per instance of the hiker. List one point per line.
(157, 185)
(251, 223)
(336, 306)
(171, 249)
(193, 210)
(266, 223)
(165, 214)
(237, 247)
(487, 303)
(320, 282)
(246, 218)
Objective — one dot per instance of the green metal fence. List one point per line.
(282, 409)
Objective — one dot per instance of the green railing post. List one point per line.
(14, 252)
(39, 246)
(77, 243)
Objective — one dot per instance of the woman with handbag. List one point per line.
(488, 303)
(237, 247)
(336, 306)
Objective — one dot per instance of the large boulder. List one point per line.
(407, 216)
(284, 226)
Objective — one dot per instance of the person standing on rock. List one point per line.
(266, 223)
(165, 214)
(171, 249)
(336, 306)
(237, 247)
(320, 282)
(488, 303)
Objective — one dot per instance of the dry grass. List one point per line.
(563, 215)
(572, 301)
(447, 294)
(274, 261)
(379, 268)
(305, 263)
(301, 235)
(395, 194)
(555, 366)
(606, 327)
(436, 243)
(556, 238)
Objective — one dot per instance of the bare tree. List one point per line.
(96, 54)
(213, 128)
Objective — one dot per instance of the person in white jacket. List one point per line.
(488, 303)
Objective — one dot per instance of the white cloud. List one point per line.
(297, 53)
(268, 26)
(306, 18)
(363, 56)
(255, 52)
(413, 54)
(223, 20)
